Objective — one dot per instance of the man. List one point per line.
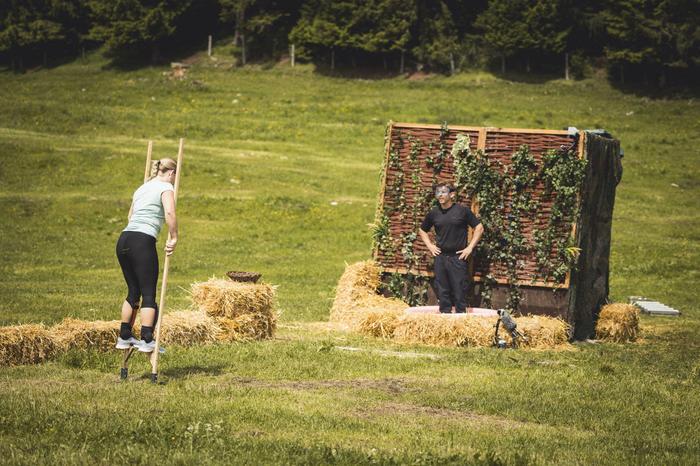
(451, 222)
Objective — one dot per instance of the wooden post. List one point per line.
(128, 352)
(166, 265)
(452, 63)
(401, 68)
(209, 46)
(566, 66)
(292, 55)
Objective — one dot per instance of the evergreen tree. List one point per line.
(506, 29)
(262, 25)
(653, 36)
(325, 25)
(438, 40)
(28, 28)
(133, 26)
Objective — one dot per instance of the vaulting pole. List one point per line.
(161, 306)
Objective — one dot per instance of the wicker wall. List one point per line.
(410, 149)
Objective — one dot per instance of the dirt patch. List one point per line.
(419, 76)
(389, 385)
(392, 409)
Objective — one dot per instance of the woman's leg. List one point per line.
(131, 303)
(145, 256)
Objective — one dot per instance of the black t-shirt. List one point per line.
(450, 226)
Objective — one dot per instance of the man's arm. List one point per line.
(434, 250)
(466, 252)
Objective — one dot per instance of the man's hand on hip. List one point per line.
(434, 250)
(464, 253)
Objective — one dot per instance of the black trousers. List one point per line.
(138, 259)
(451, 282)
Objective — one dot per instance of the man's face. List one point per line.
(443, 195)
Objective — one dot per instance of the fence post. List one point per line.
(292, 55)
(209, 46)
(566, 66)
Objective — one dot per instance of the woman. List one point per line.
(153, 203)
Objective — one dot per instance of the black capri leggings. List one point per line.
(138, 259)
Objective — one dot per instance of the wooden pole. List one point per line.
(166, 265)
(128, 352)
(209, 46)
(292, 54)
(566, 66)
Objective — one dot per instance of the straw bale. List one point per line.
(226, 298)
(474, 330)
(379, 322)
(25, 344)
(247, 327)
(189, 328)
(618, 323)
(356, 295)
(541, 331)
(80, 334)
(445, 330)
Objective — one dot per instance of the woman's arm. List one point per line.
(168, 199)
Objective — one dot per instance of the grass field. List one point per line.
(281, 176)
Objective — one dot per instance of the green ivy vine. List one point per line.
(505, 198)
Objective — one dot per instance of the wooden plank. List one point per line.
(539, 283)
(382, 183)
(495, 129)
(480, 145)
(558, 132)
(425, 126)
(581, 155)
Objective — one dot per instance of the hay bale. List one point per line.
(475, 330)
(25, 344)
(356, 295)
(80, 334)
(226, 298)
(189, 328)
(379, 322)
(542, 331)
(445, 330)
(247, 327)
(618, 323)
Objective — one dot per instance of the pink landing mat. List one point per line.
(471, 311)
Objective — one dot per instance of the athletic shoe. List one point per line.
(148, 347)
(126, 344)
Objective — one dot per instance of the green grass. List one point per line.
(266, 153)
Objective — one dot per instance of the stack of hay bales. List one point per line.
(25, 344)
(618, 323)
(243, 311)
(188, 328)
(358, 305)
(184, 328)
(227, 311)
(356, 297)
(81, 334)
(463, 330)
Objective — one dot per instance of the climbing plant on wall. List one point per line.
(505, 196)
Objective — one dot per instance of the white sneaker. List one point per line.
(148, 347)
(126, 344)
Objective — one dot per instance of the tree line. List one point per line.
(657, 41)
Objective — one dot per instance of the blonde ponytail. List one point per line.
(162, 166)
